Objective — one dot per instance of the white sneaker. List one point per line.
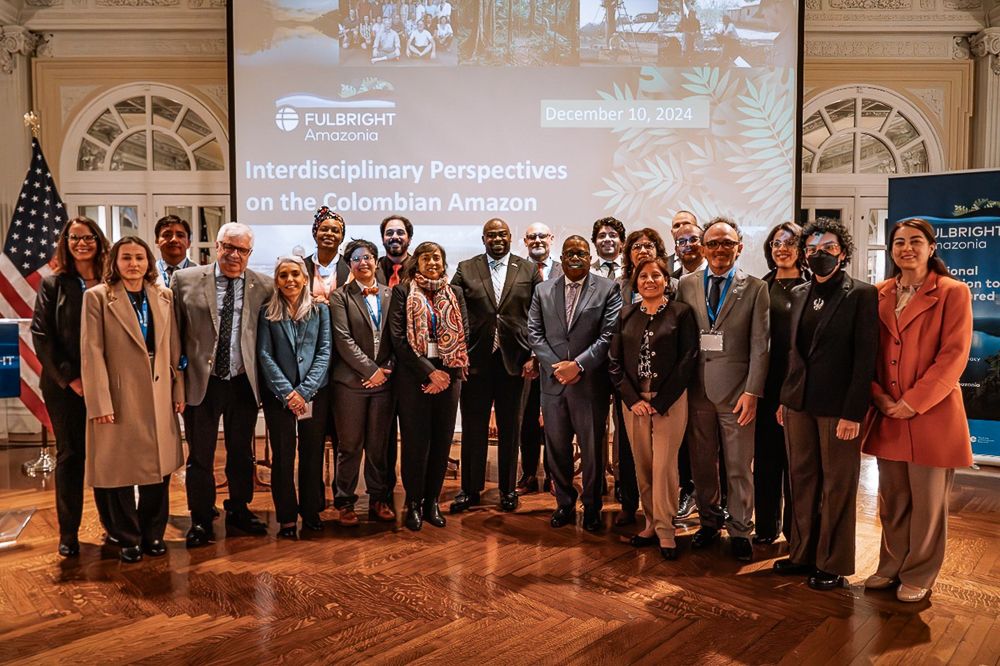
(910, 594)
(876, 582)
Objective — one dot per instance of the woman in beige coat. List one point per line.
(130, 353)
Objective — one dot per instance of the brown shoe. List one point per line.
(348, 518)
(381, 511)
(527, 485)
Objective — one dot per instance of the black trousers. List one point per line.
(490, 388)
(68, 412)
(770, 472)
(583, 415)
(135, 525)
(427, 427)
(391, 457)
(233, 400)
(684, 469)
(363, 429)
(281, 427)
(531, 429)
(627, 480)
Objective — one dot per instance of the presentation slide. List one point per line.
(554, 111)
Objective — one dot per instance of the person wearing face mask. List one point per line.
(608, 235)
(824, 398)
(324, 267)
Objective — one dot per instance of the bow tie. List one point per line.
(369, 291)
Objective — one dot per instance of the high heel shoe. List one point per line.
(413, 519)
(639, 541)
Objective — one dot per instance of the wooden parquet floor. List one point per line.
(490, 588)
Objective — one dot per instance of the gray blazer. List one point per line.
(295, 357)
(354, 336)
(197, 309)
(744, 321)
(588, 336)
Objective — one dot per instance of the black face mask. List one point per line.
(823, 263)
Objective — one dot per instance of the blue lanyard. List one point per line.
(430, 307)
(83, 283)
(377, 320)
(142, 314)
(722, 294)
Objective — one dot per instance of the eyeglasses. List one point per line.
(644, 246)
(538, 236)
(572, 254)
(89, 238)
(829, 248)
(364, 257)
(778, 244)
(230, 248)
(692, 240)
(715, 245)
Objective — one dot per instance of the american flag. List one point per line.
(39, 215)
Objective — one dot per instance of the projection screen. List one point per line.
(554, 111)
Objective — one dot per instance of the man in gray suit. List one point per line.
(217, 307)
(731, 309)
(569, 329)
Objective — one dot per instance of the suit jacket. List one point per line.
(196, 307)
(55, 327)
(741, 367)
(835, 378)
(673, 346)
(343, 270)
(557, 271)
(143, 445)
(294, 357)
(920, 359)
(354, 336)
(383, 270)
(485, 316)
(586, 340)
(407, 360)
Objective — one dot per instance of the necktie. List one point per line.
(610, 265)
(394, 278)
(574, 290)
(223, 349)
(714, 293)
(497, 289)
(369, 291)
(170, 276)
(541, 269)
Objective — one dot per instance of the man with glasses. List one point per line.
(687, 249)
(497, 287)
(216, 308)
(731, 309)
(681, 218)
(608, 236)
(173, 240)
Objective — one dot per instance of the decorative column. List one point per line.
(17, 44)
(985, 47)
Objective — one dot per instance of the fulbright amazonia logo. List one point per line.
(287, 118)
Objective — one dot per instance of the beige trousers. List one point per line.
(655, 442)
(913, 508)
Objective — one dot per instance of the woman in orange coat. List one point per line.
(918, 429)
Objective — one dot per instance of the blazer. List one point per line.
(834, 379)
(586, 340)
(354, 336)
(294, 357)
(196, 307)
(143, 445)
(673, 346)
(920, 359)
(556, 272)
(485, 316)
(383, 269)
(407, 360)
(55, 327)
(741, 367)
(343, 270)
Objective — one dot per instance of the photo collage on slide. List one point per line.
(529, 33)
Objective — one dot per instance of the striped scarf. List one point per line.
(448, 315)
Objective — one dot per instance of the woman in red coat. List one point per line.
(918, 429)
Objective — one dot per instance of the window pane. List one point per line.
(96, 213)
(183, 212)
(832, 213)
(841, 114)
(873, 114)
(807, 160)
(105, 129)
(876, 266)
(132, 111)
(209, 157)
(168, 155)
(124, 221)
(901, 131)
(814, 130)
(915, 159)
(165, 111)
(837, 155)
(131, 154)
(90, 157)
(876, 156)
(193, 128)
(211, 218)
(876, 225)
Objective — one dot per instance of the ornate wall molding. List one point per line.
(43, 3)
(870, 4)
(878, 48)
(70, 96)
(218, 93)
(144, 44)
(15, 40)
(962, 4)
(961, 49)
(207, 4)
(933, 98)
(137, 3)
(987, 45)
(928, 4)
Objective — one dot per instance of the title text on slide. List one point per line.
(612, 114)
(370, 170)
(396, 202)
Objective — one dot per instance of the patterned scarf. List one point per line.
(448, 316)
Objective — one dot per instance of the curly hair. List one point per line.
(723, 220)
(796, 232)
(607, 222)
(635, 237)
(824, 225)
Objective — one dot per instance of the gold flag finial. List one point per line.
(31, 120)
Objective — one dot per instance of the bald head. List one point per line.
(682, 217)
(538, 241)
(496, 238)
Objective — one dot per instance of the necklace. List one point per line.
(818, 304)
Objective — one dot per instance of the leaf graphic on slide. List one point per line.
(623, 195)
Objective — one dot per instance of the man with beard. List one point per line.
(687, 245)
(173, 240)
(497, 287)
(680, 218)
(608, 236)
(538, 241)
(569, 328)
(396, 235)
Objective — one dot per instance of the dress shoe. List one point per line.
(763, 539)
(911, 594)
(547, 485)
(110, 540)
(432, 514)
(348, 517)
(685, 506)
(527, 485)
(288, 532)
(463, 501)
(381, 511)
(69, 547)
(592, 520)
(742, 549)
(639, 541)
(786, 567)
(704, 537)
(155, 548)
(509, 502)
(876, 582)
(563, 516)
(625, 517)
(198, 536)
(669, 553)
(245, 521)
(313, 524)
(618, 493)
(131, 554)
(413, 519)
(821, 580)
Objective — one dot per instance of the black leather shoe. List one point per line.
(509, 502)
(288, 532)
(685, 506)
(786, 567)
(69, 547)
(705, 537)
(592, 520)
(463, 501)
(314, 525)
(110, 540)
(413, 520)
(669, 554)
(763, 539)
(639, 541)
(742, 549)
(432, 514)
(131, 554)
(197, 536)
(821, 580)
(246, 521)
(155, 548)
(563, 516)
(618, 493)
(527, 485)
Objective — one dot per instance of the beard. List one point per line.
(538, 253)
(396, 249)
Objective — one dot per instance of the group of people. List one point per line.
(735, 396)
(391, 29)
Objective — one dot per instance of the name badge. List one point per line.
(432, 350)
(711, 341)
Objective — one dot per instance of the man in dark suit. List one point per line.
(216, 308)
(687, 249)
(397, 232)
(538, 241)
(569, 328)
(327, 270)
(497, 287)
